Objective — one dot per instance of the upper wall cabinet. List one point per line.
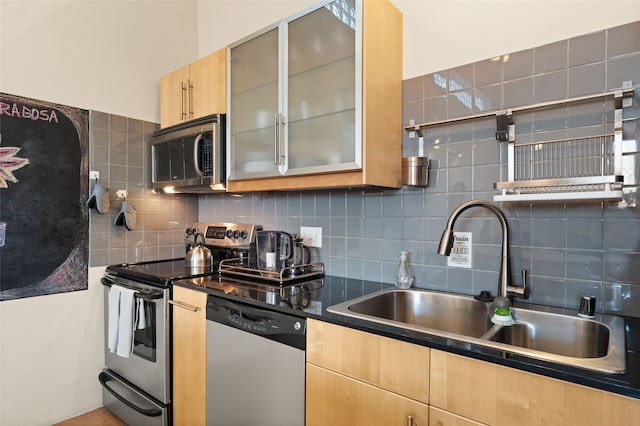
(315, 101)
(194, 91)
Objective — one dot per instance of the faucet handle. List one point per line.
(587, 307)
(523, 291)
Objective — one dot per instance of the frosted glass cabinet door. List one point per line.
(254, 104)
(321, 88)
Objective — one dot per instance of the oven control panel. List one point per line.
(222, 234)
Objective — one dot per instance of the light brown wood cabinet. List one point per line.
(438, 417)
(498, 395)
(335, 399)
(313, 162)
(189, 356)
(355, 377)
(195, 90)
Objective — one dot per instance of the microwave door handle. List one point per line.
(214, 152)
(196, 157)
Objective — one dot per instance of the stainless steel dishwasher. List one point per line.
(255, 365)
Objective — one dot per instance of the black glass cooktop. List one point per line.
(297, 296)
(159, 272)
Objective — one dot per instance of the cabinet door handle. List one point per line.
(183, 114)
(281, 139)
(189, 90)
(276, 137)
(182, 98)
(184, 305)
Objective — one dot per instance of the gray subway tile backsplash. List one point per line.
(487, 98)
(586, 49)
(587, 79)
(435, 84)
(517, 65)
(550, 86)
(488, 72)
(119, 150)
(551, 57)
(569, 249)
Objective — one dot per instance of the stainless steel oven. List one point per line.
(138, 388)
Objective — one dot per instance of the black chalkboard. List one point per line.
(43, 190)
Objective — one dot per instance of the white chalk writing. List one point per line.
(23, 111)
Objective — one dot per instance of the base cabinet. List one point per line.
(189, 356)
(498, 395)
(355, 377)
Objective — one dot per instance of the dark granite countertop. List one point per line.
(312, 298)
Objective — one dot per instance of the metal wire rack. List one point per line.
(593, 156)
(579, 168)
(586, 168)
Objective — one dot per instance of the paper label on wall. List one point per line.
(461, 254)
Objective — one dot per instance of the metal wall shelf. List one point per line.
(588, 168)
(625, 92)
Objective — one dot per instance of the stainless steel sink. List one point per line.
(424, 310)
(594, 344)
(557, 334)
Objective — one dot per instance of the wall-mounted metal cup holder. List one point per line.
(415, 171)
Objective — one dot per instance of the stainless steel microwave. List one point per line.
(190, 157)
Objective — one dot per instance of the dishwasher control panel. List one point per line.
(274, 325)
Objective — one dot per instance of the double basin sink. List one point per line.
(593, 344)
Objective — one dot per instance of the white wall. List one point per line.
(441, 34)
(51, 351)
(95, 54)
(108, 56)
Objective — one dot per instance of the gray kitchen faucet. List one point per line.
(446, 243)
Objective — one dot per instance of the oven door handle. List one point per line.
(149, 296)
(104, 377)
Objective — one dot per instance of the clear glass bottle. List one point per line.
(404, 272)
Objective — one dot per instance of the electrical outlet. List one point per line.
(312, 236)
(94, 175)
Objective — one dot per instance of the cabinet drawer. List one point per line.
(333, 399)
(394, 365)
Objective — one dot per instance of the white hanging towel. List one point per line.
(141, 318)
(114, 317)
(122, 320)
(126, 322)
